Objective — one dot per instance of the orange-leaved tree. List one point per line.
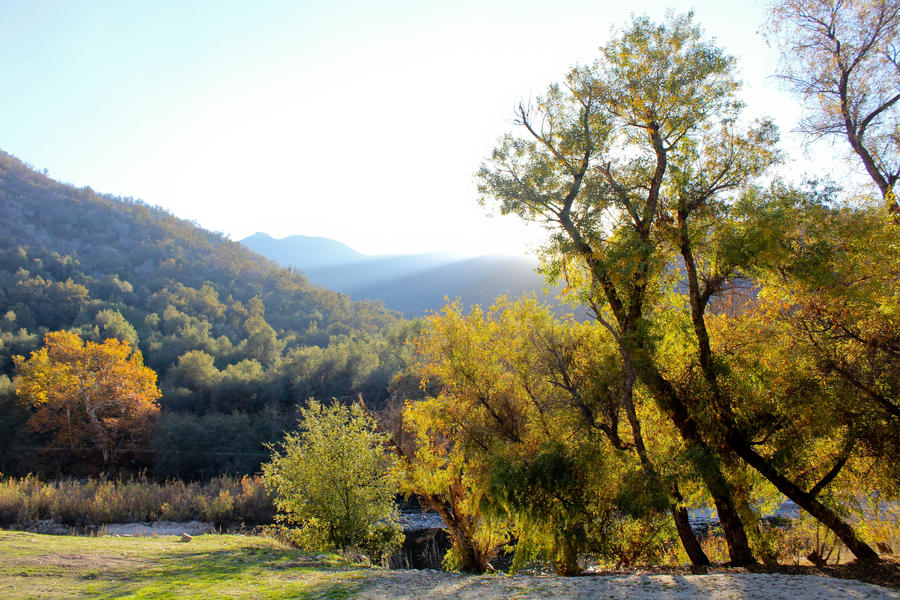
(93, 398)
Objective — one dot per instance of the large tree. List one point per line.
(596, 161)
(640, 167)
(90, 397)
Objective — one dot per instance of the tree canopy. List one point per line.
(841, 57)
(649, 181)
(90, 397)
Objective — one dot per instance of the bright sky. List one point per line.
(362, 121)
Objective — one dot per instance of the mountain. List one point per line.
(413, 284)
(236, 340)
(321, 252)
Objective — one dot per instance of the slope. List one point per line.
(237, 341)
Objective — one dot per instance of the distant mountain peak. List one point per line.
(411, 283)
(303, 251)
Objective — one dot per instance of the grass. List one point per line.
(243, 566)
(209, 566)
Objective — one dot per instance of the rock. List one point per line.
(158, 528)
(815, 558)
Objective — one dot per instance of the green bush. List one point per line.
(220, 511)
(332, 480)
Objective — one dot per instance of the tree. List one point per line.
(333, 480)
(830, 308)
(645, 177)
(436, 468)
(596, 161)
(89, 396)
(112, 324)
(841, 56)
(525, 433)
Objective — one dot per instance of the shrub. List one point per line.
(332, 480)
(10, 504)
(220, 511)
(92, 502)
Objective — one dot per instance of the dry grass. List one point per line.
(94, 502)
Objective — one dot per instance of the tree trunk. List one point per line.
(704, 459)
(472, 559)
(567, 560)
(732, 526)
(686, 533)
(804, 500)
(679, 513)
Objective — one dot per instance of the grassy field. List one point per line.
(209, 566)
(243, 566)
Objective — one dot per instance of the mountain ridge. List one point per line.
(414, 284)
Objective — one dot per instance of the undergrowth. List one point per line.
(94, 502)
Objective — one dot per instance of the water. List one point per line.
(413, 518)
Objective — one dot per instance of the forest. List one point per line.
(235, 341)
(743, 345)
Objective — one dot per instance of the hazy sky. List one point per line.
(360, 121)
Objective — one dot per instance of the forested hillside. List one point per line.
(236, 340)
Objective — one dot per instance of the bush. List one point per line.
(11, 504)
(332, 480)
(221, 510)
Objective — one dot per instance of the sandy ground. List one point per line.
(157, 528)
(714, 586)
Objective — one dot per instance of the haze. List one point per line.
(360, 121)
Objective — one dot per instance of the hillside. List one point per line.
(236, 340)
(413, 284)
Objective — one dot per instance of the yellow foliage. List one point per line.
(89, 395)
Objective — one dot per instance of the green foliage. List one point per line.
(220, 511)
(113, 325)
(556, 510)
(225, 329)
(333, 480)
(646, 173)
(192, 447)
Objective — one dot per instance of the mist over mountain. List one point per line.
(411, 283)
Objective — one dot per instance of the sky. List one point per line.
(362, 121)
